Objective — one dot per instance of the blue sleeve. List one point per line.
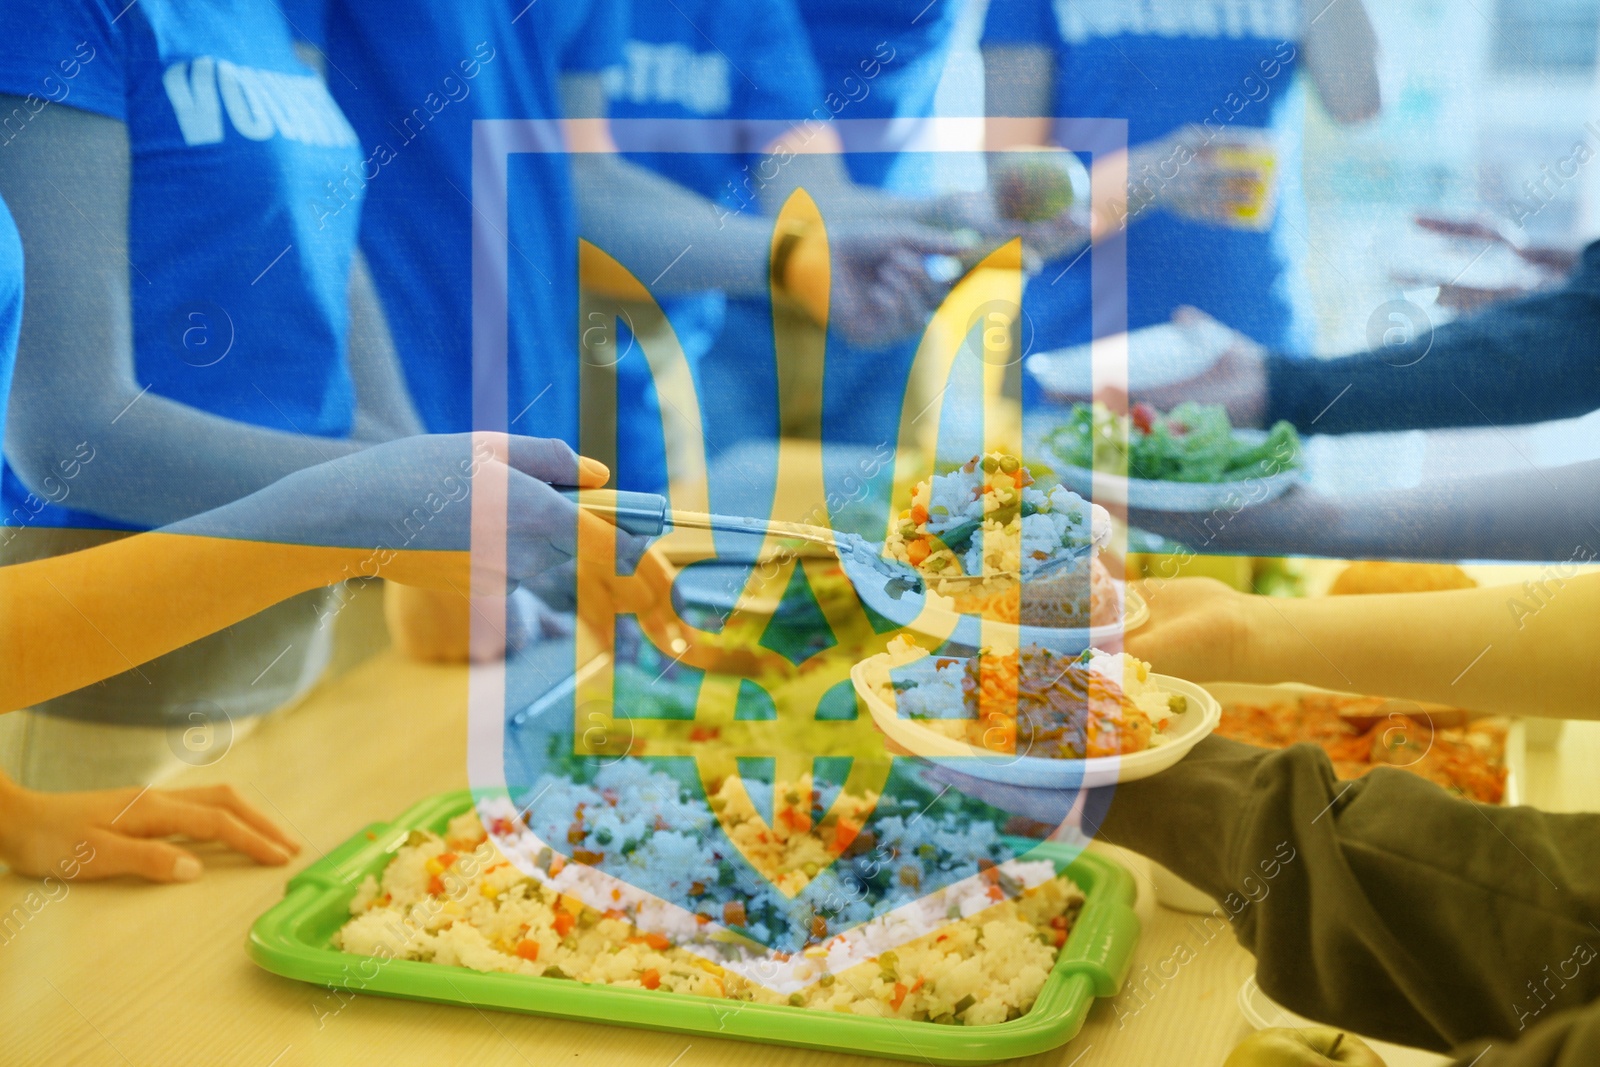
(1477, 370)
(777, 57)
(595, 42)
(65, 52)
(1013, 22)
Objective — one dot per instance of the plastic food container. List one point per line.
(1516, 750)
(1190, 727)
(293, 939)
(1173, 892)
(935, 616)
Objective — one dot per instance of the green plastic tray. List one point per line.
(293, 939)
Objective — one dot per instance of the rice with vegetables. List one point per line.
(1037, 701)
(457, 900)
(988, 518)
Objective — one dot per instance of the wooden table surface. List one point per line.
(129, 974)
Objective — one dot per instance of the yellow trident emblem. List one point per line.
(795, 736)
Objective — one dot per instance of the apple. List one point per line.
(1312, 1046)
(1036, 185)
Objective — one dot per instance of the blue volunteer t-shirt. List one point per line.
(1162, 65)
(10, 307)
(881, 60)
(876, 61)
(746, 65)
(238, 284)
(745, 70)
(419, 76)
(589, 33)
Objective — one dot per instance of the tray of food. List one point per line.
(426, 907)
(990, 542)
(1036, 717)
(1190, 459)
(1479, 757)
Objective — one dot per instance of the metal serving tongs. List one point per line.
(650, 514)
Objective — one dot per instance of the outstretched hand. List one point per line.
(103, 834)
(1199, 628)
(410, 505)
(882, 290)
(1237, 379)
(1221, 177)
(1047, 240)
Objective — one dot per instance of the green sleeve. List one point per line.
(1564, 1039)
(1383, 905)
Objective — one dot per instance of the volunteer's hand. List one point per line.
(1237, 380)
(542, 527)
(1199, 628)
(90, 836)
(1188, 176)
(1043, 242)
(410, 502)
(1057, 239)
(881, 288)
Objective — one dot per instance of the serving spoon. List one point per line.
(650, 514)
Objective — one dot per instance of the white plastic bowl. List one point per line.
(1185, 731)
(931, 615)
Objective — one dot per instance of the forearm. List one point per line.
(70, 621)
(1341, 55)
(1548, 514)
(75, 391)
(1527, 361)
(815, 162)
(1524, 650)
(674, 240)
(1356, 896)
(157, 463)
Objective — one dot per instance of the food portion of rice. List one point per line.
(987, 517)
(645, 828)
(457, 900)
(1036, 702)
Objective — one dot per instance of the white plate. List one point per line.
(1262, 1012)
(1185, 731)
(1157, 356)
(1516, 755)
(931, 615)
(1152, 495)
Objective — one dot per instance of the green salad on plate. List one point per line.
(1190, 443)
